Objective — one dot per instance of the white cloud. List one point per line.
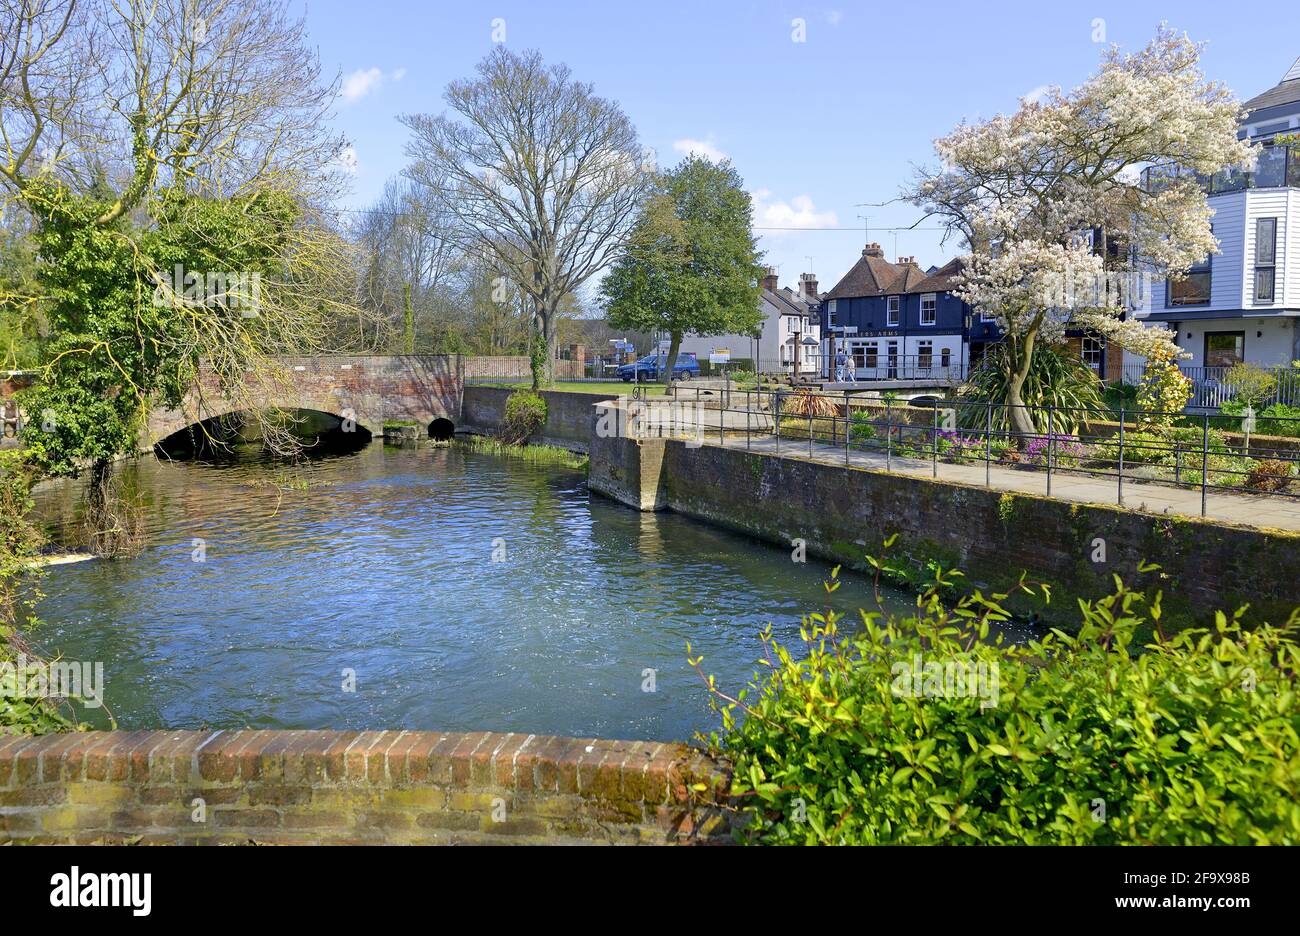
(798, 212)
(366, 81)
(346, 160)
(1036, 95)
(703, 148)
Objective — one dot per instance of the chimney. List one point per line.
(808, 285)
(873, 250)
(769, 281)
(906, 261)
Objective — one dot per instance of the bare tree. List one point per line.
(543, 178)
(409, 263)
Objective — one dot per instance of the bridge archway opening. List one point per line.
(241, 434)
(442, 429)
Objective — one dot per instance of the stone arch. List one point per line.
(441, 429)
(328, 432)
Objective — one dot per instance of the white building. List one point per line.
(790, 319)
(1242, 304)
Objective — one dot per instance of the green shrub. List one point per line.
(861, 428)
(525, 413)
(922, 730)
(1276, 419)
(1058, 378)
(20, 545)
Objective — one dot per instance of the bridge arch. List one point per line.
(319, 432)
(373, 389)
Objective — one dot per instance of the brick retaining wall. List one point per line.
(568, 415)
(349, 787)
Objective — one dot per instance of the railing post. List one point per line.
(847, 427)
(988, 446)
(747, 412)
(776, 416)
(1121, 457)
(1205, 461)
(889, 436)
(810, 432)
(1050, 449)
(934, 443)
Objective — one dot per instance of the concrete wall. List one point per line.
(349, 787)
(568, 415)
(845, 513)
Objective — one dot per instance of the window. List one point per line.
(929, 304)
(1224, 349)
(869, 354)
(945, 358)
(1265, 258)
(925, 355)
(1193, 289)
(891, 314)
(1270, 169)
(1092, 351)
(988, 318)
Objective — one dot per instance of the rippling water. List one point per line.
(385, 568)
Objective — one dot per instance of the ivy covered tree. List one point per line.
(692, 265)
(164, 150)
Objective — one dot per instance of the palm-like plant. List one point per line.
(1058, 378)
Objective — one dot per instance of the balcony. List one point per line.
(1278, 166)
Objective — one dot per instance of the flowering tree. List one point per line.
(1051, 203)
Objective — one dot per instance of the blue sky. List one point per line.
(815, 127)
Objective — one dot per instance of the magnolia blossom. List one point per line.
(1026, 191)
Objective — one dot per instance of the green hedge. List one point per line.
(922, 730)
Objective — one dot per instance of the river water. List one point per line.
(460, 591)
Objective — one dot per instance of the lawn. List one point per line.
(608, 387)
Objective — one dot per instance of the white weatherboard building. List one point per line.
(1242, 304)
(790, 318)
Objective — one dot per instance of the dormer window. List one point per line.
(891, 311)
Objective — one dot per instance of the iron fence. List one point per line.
(1212, 387)
(1204, 453)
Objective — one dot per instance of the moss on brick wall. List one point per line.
(345, 787)
(845, 513)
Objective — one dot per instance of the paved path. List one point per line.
(1245, 509)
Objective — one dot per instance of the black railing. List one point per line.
(1206, 453)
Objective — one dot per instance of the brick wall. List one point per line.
(335, 787)
(569, 416)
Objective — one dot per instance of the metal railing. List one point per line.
(1204, 453)
(1211, 387)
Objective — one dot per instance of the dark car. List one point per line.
(647, 369)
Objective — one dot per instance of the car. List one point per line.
(647, 368)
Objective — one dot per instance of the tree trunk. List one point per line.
(408, 323)
(1017, 413)
(674, 345)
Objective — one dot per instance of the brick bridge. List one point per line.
(369, 389)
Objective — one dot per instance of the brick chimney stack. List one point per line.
(769, 281)
(808, 285)
(906, 261)
(873, 250)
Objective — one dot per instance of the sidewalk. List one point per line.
(1261, 510)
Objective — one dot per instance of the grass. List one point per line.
(611, 388)
(533, 454)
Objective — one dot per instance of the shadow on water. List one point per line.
(465, 592)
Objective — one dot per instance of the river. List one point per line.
(419, 588)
